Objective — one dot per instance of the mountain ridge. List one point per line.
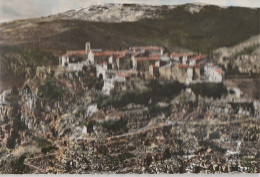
(110, 6)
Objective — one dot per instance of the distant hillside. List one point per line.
(112, 13)
(197, 28)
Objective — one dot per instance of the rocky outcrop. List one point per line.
(112, 13)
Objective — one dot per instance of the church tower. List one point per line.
(87, 48)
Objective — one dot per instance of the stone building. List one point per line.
(180, 72)
(213, 73)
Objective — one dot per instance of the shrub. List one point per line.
(249, 162)
(45, 145)
(116, 125)
(155, 110)
(215, 90)
(208, 144)
(51, 91)
(156, 91)
(214, 135)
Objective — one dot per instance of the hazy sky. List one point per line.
(17, 9)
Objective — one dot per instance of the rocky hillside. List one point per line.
(61, 123)
(200, 28)
(242, 65)
(112, 13)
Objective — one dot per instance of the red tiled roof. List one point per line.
(180, 54)
(182, 66)
(218, 70)
(199, 57)
(123, 74)
(75, 52)
(109, 53)
(149, 58)
(146, 48)
(137, 53)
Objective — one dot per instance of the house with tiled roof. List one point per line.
(185, 67)
(180, 57)
(213, 73)
(75, 60)
(150, 49)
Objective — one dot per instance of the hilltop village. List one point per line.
(139, 110)
(146, 62)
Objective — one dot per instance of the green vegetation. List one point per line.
(157, 91)
(51, 91)
(117, 160)
(45, 145)
(121, 99)
(157, 110)
(80, 113)
(88, 77)
(129, 5)
(18, 167)
(20, 63)
(201, 32)
(18, 126)
(246, 106)
(98, 84)
(214, 135)
(250, 163)
(103, 150)
(208, 144)
(115, 125)
(215, 90)
(32, 56)
(13, 140)
(233, 70)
